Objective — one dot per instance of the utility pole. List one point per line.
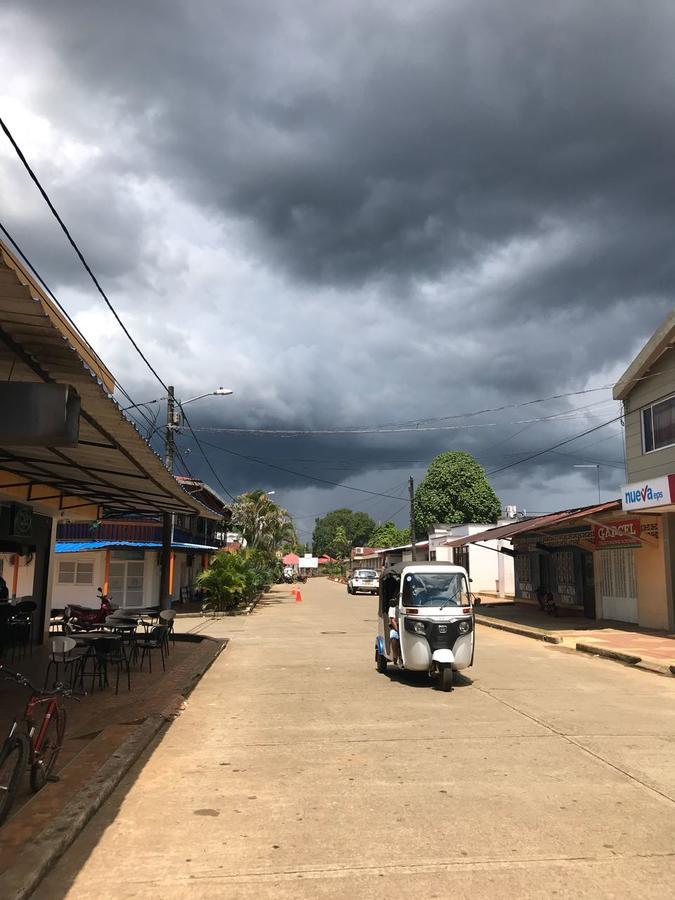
(167, 518)
(411, 492)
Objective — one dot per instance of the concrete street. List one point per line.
(297, 771)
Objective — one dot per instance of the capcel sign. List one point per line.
(646, 494)
(622, 533)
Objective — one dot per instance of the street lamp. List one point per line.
(595, 466)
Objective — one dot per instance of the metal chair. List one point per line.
(110, 651)
(155, 640)
(21, 625)
(166, 617)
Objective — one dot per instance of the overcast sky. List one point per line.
(357, 213)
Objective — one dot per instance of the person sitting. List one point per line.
(393, 635)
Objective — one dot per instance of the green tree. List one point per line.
(341, 544)
(388, 535)
(455, 491)
(357, 526)
(264, 524)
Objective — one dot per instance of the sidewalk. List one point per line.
(626, 643)
(98, 730)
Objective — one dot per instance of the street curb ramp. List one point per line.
(38, 858)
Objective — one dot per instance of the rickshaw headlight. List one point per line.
(418, 628)
(464, 627)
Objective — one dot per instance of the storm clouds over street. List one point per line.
(358, 214)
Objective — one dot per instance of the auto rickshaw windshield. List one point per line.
(435, 589)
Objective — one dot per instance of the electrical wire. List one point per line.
(67, 316)
(287, 432)
(80, 255)
(301, 474)
(554, 447)
(97, 284)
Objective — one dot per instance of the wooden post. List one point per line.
(106, 572)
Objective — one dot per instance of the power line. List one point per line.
(301, 474)
(203, 453)
(287, 432)
(99, 288)
(554, 447)
(62, 309)
(71, 240)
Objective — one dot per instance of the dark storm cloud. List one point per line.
(365, 141)
(435, 207)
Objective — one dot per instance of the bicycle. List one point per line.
(22, 747)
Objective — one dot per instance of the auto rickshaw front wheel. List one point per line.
(445, 678)
(380, 662)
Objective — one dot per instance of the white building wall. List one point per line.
(24, 586)
(490, 571)
(79, 594)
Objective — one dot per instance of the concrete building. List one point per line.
(647, 391)
(122, 555)
(489, 563)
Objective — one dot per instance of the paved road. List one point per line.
(298, 771)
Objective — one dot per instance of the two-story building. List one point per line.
(121, 554)
(647, 391)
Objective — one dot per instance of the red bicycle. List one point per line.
(31, 743)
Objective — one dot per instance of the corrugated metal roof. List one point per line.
(112, 465)
(82, 546)
(534, 524)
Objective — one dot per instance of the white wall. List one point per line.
(80, 594)
(24, 586)
(484, 563)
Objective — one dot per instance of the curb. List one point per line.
(522, 630)
(626, 658)
(20, 880)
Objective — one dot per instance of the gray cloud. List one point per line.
(360, 211)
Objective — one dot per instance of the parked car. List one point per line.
(366, 580)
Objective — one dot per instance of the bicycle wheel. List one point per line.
(48, 750)
(13, 759)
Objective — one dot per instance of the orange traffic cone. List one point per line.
(298, 597)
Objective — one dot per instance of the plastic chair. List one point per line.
(65, 652)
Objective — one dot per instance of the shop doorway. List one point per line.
(618, 585)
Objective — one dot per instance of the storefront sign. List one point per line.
(622, 533)
(646, 494)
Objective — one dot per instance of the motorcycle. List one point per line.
(84, 618)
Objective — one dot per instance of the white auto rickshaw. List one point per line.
(433, 612)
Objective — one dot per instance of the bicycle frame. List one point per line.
(35, 742)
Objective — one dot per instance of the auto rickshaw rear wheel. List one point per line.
(445, 678)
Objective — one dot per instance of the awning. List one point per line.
(291, 559)
(112, 465)
(537, 523)
(84, 546)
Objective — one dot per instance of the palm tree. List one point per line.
(264, 524)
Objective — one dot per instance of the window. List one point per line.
(76, 573)
(658, 425)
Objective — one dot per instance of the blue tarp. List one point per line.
(82, 546)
